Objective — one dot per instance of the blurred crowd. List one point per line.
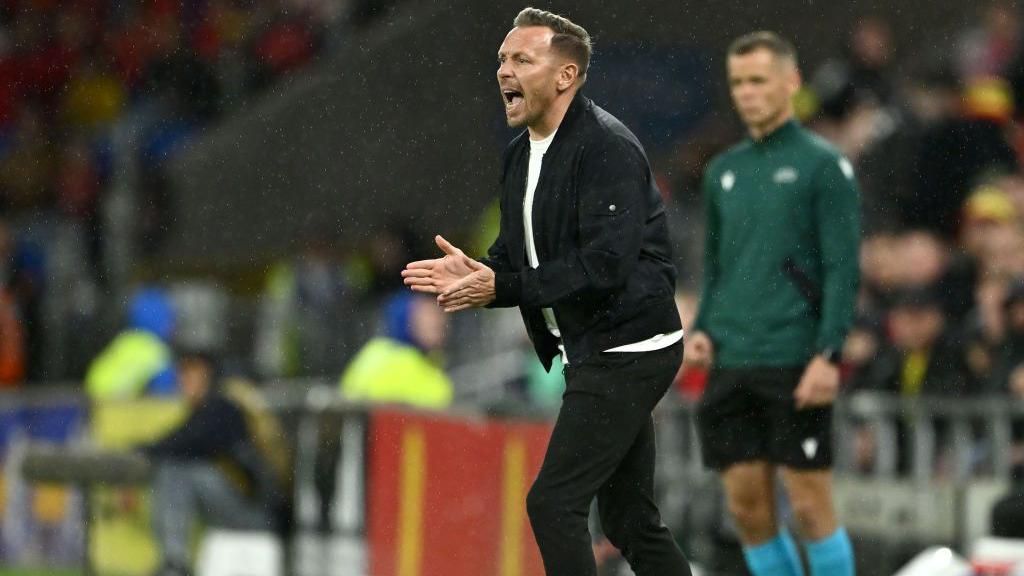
(96, 95)
(70, 70)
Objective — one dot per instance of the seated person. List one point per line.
(402, 365)
(226, 465)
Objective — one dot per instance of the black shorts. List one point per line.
(749, 414)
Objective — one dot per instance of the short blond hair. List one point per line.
(570, 39)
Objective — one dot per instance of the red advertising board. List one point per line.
(447, 496)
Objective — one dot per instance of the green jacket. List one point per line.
(781, 264)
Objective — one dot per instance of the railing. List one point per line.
(918, 504)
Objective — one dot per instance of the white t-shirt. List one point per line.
(537, 150)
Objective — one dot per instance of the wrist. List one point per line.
(833, 356)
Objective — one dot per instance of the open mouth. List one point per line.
(512, 98)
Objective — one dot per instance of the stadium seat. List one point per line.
(235, 553)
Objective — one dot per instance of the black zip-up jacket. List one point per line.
(602, 241)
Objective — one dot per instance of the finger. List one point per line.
(422, 273)
(424, 289)
(420, 264)
(420, 282)
(459, 308)
(446, 246)
(456, 301)
(801, 395)
(472, 264)
(455, 287)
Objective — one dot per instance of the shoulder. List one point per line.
(724, 160)
(817, 147)
(220, 407)
(826, 158)
(601, 131)
(517, 142)
(515, 146)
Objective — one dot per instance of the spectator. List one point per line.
(1008, 372)
(954, 155)
(26, 166)
(862, 74)
(401, 365)
(990, 47)
(185, 85)
(1008, 377)
(921, 356)
(287, 44)
(226, 465)
(94, 97)
(12, 330)
(306, 314)
(139, 359)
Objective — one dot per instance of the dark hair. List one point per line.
(570, 39)
(763, 40)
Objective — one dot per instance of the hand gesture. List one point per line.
(473, 291)
(431, 276)
(818, 386)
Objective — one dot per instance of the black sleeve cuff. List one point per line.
(508, 289)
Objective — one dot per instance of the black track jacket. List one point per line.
(600, 230)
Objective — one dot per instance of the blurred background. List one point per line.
(243, 180)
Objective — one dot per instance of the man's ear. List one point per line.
(794, 79)
(567, 76)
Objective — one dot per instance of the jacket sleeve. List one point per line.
(837, 210)
(497, 255)
(613, 178)
(711, 231)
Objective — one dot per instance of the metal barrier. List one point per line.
(956, 463)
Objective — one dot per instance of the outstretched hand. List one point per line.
(438, 274)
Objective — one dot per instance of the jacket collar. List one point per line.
(577, 107)
(784, 131)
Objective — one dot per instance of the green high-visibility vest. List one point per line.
(386, 370)
(124, 368)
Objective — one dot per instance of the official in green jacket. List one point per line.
(780, 281)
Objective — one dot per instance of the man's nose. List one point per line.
(504, 70)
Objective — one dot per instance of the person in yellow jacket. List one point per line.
(139, 360)
(403, 366)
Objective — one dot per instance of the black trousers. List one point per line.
(603, 445)
(1008, 515)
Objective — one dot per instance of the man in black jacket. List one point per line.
(583, 251)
